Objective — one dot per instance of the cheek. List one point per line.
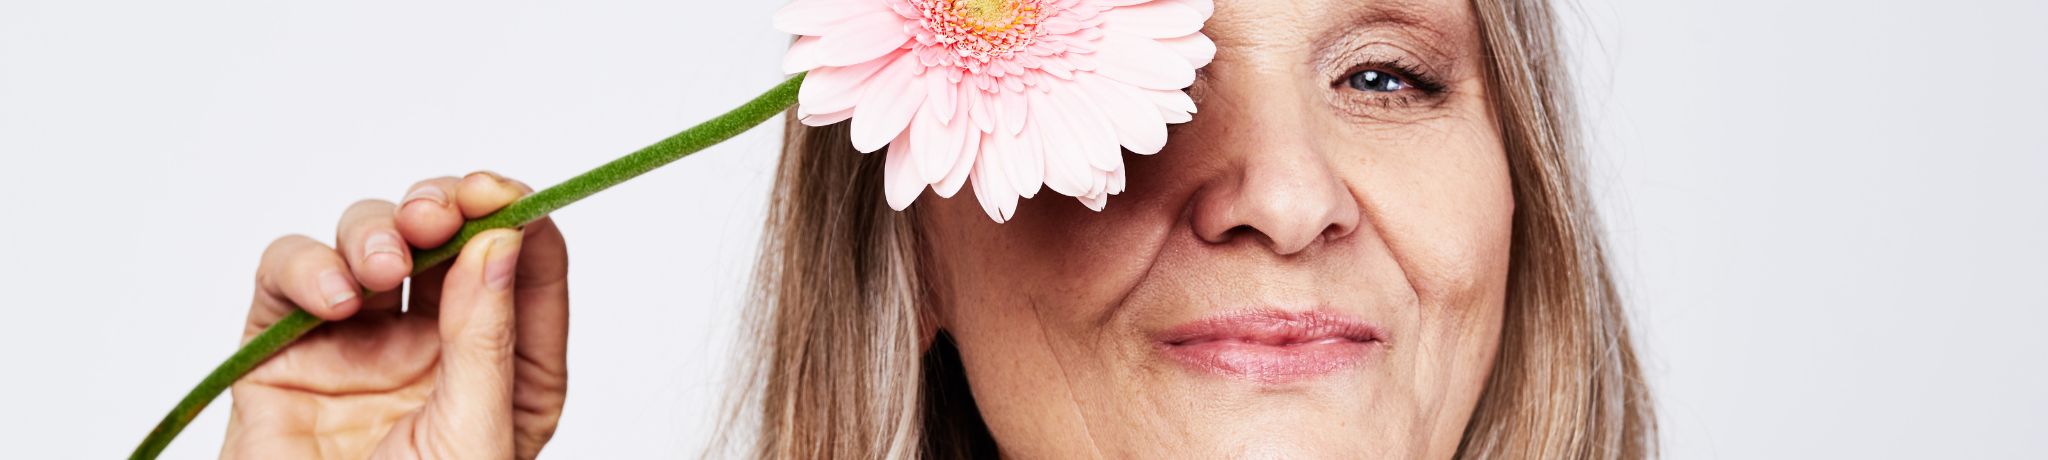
(1007, 292)
(1440, 195)
(1055, 253)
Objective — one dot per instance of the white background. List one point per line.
(1829, 215)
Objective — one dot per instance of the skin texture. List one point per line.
(474, 368)
(1291, 192)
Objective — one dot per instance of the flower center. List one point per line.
(987, 14)
(984, 29)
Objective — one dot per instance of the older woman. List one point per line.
(1371, 243)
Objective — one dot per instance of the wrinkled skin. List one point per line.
(1291, 191)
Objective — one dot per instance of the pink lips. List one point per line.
(1272, 346)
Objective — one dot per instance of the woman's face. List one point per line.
(1313, 268)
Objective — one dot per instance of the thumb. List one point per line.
(469, 414)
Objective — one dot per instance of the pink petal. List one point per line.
(900, 185)
(903, 8)
(1066, 158)
(1080, 44)
(1095, 203)
(822, 119)
(992, 189)
(1090, 128)
(1172, 99)
(1141, 61)
(1138, 126)
(961, 167)
(801, 55)
(1058, 67)
(1083, 62)
(979, 109)
(816, 17)
(1097, 181)
(938, 146)
(1060, 25)
(1206, 7)
(832, 89)
(1174, 116)
(1154, 20)
(1113, 3)
(1197, 48)
(939, 99)
(863, 38)
(1021, 157)
(1010, 110)
(887, 103)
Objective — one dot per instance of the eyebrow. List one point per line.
(1427, 23)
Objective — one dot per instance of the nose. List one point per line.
(1279, 190)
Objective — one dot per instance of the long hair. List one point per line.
(837, 370)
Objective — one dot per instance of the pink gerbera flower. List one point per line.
(1010, 94)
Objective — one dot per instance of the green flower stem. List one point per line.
(521, 212)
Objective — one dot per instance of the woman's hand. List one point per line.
(474, 368)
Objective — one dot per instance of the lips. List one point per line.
(1272, 346)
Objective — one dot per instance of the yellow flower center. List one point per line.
(990, 15)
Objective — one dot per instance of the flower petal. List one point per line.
(969, 153)
(939, 98)
(816, 17)
(900, 184)
(1175, 116)
(1022, 157)
(1113, 3)
(822, 119)
(1197, 48)
(1089, 126)
(863, 38)
(1139, 127)
(984, 118)
(1141, 61)
(801, 55)
(1066, 158)
(1096, 203)
(1159, 19)
(832, 89)
(1172, 99)
(887, 103)
(992, 189)
(1206, 7)
(938, 146)
(1010, 109)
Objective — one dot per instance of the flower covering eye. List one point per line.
(1010, 95)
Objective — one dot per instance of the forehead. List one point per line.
(1248, 28)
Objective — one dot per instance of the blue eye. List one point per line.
(1376, 81)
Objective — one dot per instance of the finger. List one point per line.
(470, 410)
(425, 299)
(428, 216)
(298, 272)
(483, 192)
(377, 254)
(542, 322)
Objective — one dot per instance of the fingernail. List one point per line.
(383, 244)
(502, 261)
(336, 287)
(425, 192)
(494, 176)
